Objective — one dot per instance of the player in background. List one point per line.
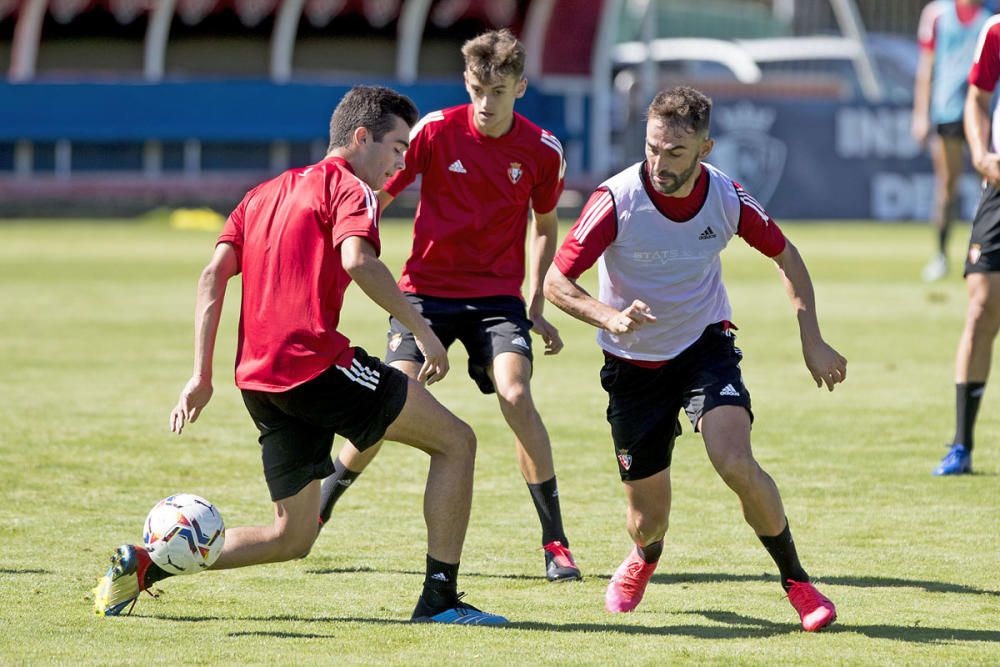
(947, 37)
(484, 167)
(657, 229)
(298, 240)
(982, 264)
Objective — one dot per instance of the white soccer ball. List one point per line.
(184, 534)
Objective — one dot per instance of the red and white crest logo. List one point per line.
(625, 458)
(975, 252)
(514, 173)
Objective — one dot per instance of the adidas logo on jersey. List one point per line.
(707, 234)
(457, 167)
(728, 390)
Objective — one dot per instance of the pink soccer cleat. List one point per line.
(628, 583)
(815, 609)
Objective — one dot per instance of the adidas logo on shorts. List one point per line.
(729, 390)
(520, 342)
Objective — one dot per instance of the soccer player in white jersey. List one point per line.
(657, 229)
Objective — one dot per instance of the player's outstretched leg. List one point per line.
(510, 373)
(726, 430)
(648, 516)
(425, 424)
(131, 572)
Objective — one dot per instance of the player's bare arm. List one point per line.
(374, 278)
(544, 230)
(384, 199)
(977, 133)
(568, 296)
(208, 311)
(824, 363)
(920, 126)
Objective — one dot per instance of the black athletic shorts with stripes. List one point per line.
(984, 245)
(297, 426)
(644, 403)
(487, 326)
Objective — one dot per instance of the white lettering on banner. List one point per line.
(883, 132)
(897, 196)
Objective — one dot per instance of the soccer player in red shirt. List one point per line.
(982, 263)
(657, 229)
(484, 168)
(298, 240)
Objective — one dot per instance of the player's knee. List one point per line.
(461, 440)
(295, 541)
(737, 470)
(516, 396)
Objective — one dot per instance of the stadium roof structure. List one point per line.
(568, 41)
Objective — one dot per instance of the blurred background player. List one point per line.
(947, 37)
(975, 348)
(657, 229)
(484, 169)
(300, 239)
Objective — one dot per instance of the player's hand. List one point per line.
(631, 319)
(548, 332)
(989, 167)
(194, 397)
(920, 129)
(825, 364)
(435, 358)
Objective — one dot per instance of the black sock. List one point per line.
(967, 398)
(546, 499)
(651, 552)
(334, 487)
(782, 550)
(943, 239)
(154, 573)
(440, 584)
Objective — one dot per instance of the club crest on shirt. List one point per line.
(394, 341)
(514, 173)
(975, 252)
(625, 458)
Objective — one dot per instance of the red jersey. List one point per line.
(986, 66)
(475, 192)
(597, 225)
(287, 234)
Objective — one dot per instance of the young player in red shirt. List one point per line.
(657, 229)
(298, 240)
(484, 168)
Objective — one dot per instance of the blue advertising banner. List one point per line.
(819, 160)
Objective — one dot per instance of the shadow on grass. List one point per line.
(712, 577)
(27, 570)
(729, 625)
(279, 635)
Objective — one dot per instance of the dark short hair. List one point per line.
(370, 107)
(682, 107)
(494, 55)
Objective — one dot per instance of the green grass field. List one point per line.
(95, 343)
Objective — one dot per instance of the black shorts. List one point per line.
(952, 130)
(984, 245)
(487, 326)
(297, 426)
(643, 403)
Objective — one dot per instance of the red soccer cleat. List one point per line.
(815, 609)
(628, 583)
(559, 563)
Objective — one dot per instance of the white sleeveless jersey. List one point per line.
(674, 267)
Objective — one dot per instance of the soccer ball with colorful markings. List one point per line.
(184, 534)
